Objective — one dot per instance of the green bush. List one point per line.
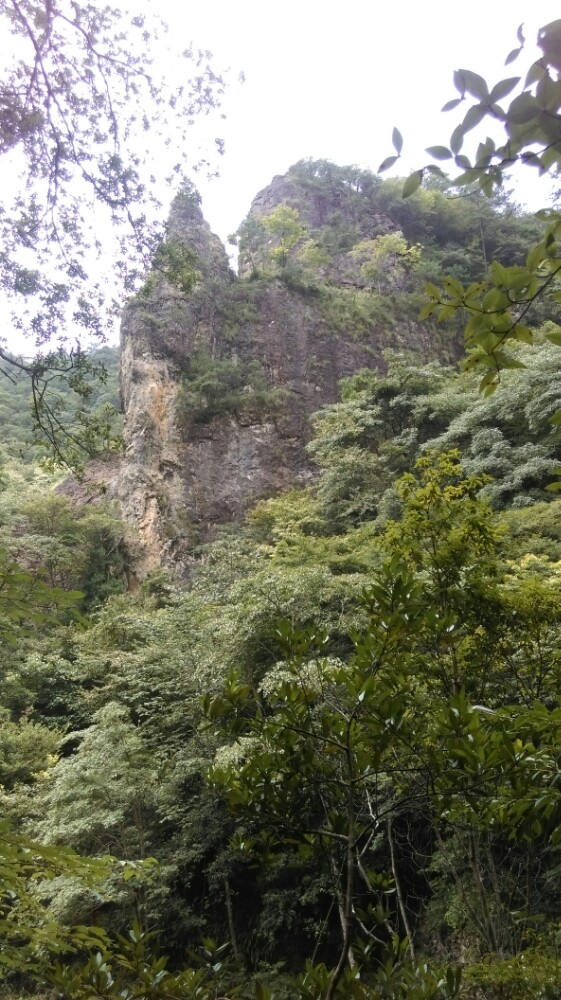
(211, 386)
(532, 975)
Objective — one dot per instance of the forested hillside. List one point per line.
(284, 723)
(22, 437)
(341, 739)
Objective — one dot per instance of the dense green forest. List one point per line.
(337, 748)
(328, 764)
(86, 421)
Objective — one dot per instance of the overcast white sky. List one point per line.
(332, 79)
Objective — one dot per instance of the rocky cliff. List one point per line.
(218, 384)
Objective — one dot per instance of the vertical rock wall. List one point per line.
(183, 474)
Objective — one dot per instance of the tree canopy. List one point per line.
(82, 106)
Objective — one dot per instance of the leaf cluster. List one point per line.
(531, 127)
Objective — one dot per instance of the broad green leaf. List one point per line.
(550, 157)
(446, 312)
(459, 81)
(531, 159)
(450, 105)
(548, 94)
(554, 337)
(397, 140)
(412, 183)
(486, 184)
(499, 273)
(489, 384)
(523, 109)
(475, 85)
(486, 147)
(482, 360)
(507, 360)
(483, 157)
(453, 286)
(503, 88)
(549, 40)
(439, 152)
(387, 163)
(427, 310)
(432, 168)
(494, 300)
(457, 139)
(535, 73)
(463, 162)
(474, 116)
(515, 278)
(524, 334)
(488, 341)
(513, 54)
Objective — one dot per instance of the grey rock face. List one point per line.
(186, 471)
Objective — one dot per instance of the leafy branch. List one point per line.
(531, 124)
